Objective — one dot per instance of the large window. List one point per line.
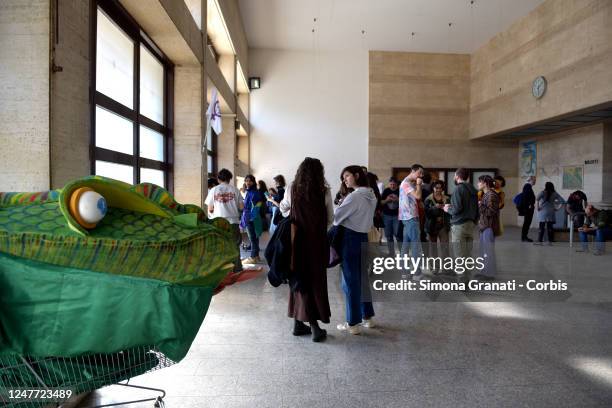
(132, 109)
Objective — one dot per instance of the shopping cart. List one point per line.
(60, 378)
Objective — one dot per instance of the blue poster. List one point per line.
(529, 159)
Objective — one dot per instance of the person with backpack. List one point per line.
(308, 204)
(525, 204)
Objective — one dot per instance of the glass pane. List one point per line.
(115, 171)
(113, 132)
(114, 62)
(209, 160)
(151, 144)
(152, 176)
(209, 140)
(151, 86)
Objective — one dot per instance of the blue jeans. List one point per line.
(355, 282)
(412, 240)
(487, 251)
(253, 238)
(601, 236)
(392, 230)
(272, 225)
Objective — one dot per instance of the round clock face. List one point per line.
(538, 87)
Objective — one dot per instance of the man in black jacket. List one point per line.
(463, 209)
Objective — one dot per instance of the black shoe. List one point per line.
(319, 335)
(526, 239)
(300, 329)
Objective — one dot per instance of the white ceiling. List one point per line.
(388, 24)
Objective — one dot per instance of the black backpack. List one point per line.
(278, 254)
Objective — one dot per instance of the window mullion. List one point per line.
(137, 111)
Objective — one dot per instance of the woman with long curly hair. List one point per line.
(308, 202)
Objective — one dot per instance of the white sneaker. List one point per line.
(368, 323)
(351, 329)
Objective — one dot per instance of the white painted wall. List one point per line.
(309, 104)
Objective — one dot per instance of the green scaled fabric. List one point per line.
(144, 276)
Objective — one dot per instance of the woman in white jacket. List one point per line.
(355, 214)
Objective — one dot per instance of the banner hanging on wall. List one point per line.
(529, 159)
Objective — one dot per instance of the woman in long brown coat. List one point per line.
(308, 202)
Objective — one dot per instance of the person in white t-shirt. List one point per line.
(225, 201)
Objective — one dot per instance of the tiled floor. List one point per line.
(423, 354)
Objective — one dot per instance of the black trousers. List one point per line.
(549, 228)
(528, 217)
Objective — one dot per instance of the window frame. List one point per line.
(132, 29)
(212, 153)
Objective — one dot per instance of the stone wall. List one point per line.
(566, 41)
(24, 95)
(70, 108)
(419, 113)
(188, 114)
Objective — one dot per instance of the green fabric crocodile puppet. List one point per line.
(141, 274)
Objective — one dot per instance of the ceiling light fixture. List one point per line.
(254, 83)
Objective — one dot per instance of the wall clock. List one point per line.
(538, 88)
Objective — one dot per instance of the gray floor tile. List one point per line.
(422, 354)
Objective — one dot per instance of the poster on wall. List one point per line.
(528, 159)
(573, 177)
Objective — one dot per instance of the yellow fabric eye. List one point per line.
(87, 207)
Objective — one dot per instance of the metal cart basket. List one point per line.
(76, 374)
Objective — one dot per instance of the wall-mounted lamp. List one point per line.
(254, 82)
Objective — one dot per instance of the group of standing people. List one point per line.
(416, 212)
(307, 204)
(408, 211)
